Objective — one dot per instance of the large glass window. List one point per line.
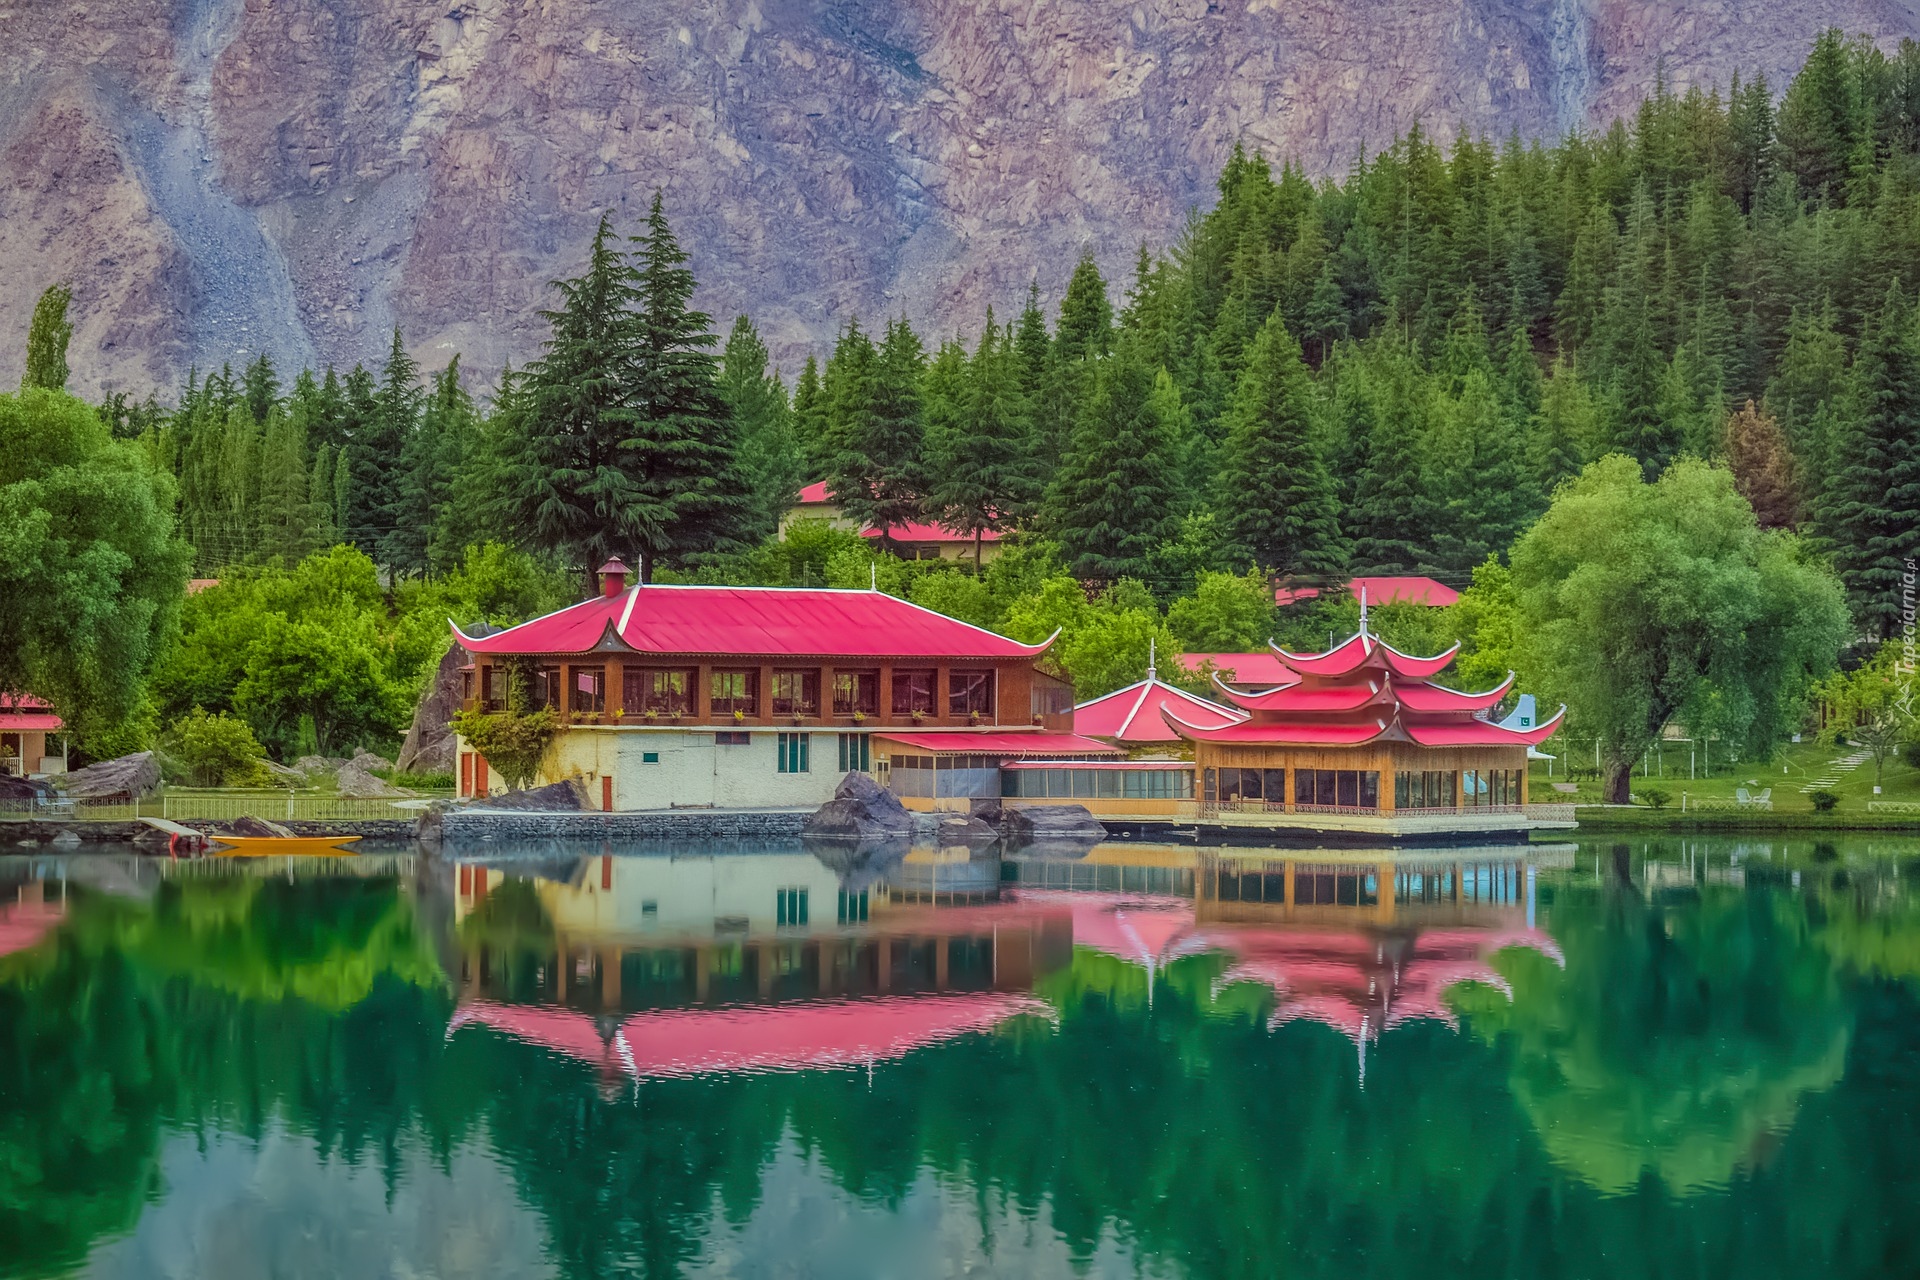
(913, 691)
(1425, 789)
(1480, 787)
(796, 693)
(856, 693)
(856, 753)
(735, 691)
(970, 693)
(493, 689)
(1050, 697)
(546, 687)
(590, 689)
(1337, 788)
(664, 692)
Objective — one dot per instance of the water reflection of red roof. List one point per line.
(1138, 929)
(563, 1031)
(813, 1035)
(23, 925)
(1360, 983)
(810, 1036)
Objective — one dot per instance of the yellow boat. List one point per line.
(280, 846)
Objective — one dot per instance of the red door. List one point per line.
(606, 791)
(466, 773)
(480, 775)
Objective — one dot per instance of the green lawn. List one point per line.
(1795, 767)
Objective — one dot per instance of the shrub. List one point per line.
(219, 750)
(442, 781)
(1658, 799)
(1823, 801)
(1910, 752)
(512, 743)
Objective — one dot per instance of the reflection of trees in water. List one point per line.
(221, 1001)
(1170, 1117)
(1675, 1043)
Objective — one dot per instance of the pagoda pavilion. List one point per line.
(1361, 729)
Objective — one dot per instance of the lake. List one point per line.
(1694, 1058)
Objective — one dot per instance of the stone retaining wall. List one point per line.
(465, 826)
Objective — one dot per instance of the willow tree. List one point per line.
(1642, 604)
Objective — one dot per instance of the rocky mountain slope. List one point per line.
(296, 176)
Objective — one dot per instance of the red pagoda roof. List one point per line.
(1359, 691)
(754, 622)
(1363, 650)
(1132, 715)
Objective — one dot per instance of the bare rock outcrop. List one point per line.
(219, 177)
(429, 747)
(125, 778)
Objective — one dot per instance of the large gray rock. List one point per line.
(566, 796)
(356, 783)
(13, 787)
(861, 809)
(317, 767)
(250, 826)
(429, 744)
(957, 831)
(127, 777)
(1066, 829)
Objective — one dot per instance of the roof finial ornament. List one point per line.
(873, 575)
(1150, 664)
(1363, 608)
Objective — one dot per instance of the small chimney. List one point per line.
(613, 577)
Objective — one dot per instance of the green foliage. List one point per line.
(317, 650)
(1275, 496)
(617, 439)
(1225, 614)
(1642, 604)
(1823, 801)
(219, 749)
(91, 568)
(1655, 798)
(47, 338)
(1874, 702)
(1116, 498)
(770, 456)
(514, 742)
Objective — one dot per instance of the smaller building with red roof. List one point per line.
(27, 724)
(915, 540)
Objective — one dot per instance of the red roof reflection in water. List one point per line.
(805, 1036)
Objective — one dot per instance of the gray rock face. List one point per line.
(429, 744)
(299, 176)
(129, 776)
(861, 809)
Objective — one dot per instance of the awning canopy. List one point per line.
(1010, 745)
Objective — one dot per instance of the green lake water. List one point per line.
(1674, 1058)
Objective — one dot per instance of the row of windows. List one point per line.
(668, 691)
(1310, 888)
(1491, 786)
(1341, 788)
(946, 762)
(1360, 788)
(1098, 784)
